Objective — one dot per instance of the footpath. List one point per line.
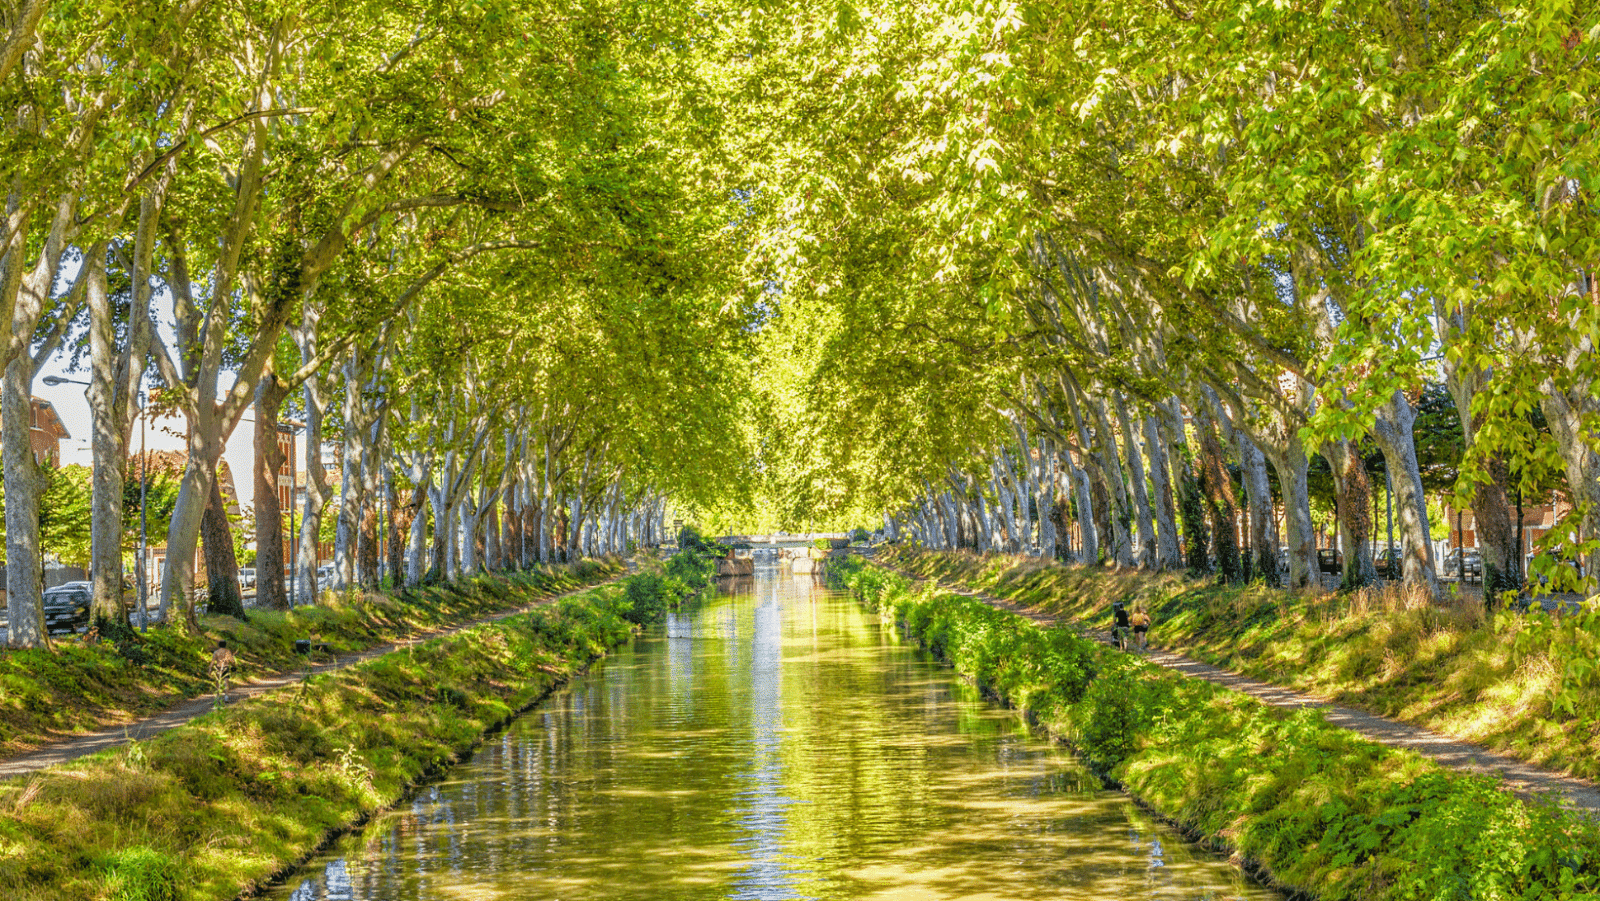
(184, 711)
(1520, 777)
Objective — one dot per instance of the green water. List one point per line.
(778, 743)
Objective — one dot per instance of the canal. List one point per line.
(776, 743)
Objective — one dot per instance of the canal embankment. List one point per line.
(111, 684)
(1316, 809)
(219, 807)
(1524, 685)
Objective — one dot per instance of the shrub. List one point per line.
(648, 599)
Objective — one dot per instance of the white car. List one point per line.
(247, 578)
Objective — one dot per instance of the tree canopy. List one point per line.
(1046, 273)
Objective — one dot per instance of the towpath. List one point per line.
(1523, 778)
(184, 711)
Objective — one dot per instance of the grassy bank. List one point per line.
(1524, 684)
(1322, 811)
(214, 808)
(85, 684)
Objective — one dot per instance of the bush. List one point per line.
(648, 599)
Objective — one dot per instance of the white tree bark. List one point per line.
(1146, 556)
(1394, 435)
(1169, 554)
(25, 484)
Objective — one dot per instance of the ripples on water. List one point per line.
(775, 744)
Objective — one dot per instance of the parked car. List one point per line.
(1459, 560)
(1330, 561)
(1388, 562)
(66, 607)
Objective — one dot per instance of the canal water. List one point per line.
(776, 743)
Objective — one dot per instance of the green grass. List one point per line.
(219, 806)
(1524, 684)
(1323, 811)
(84, 684)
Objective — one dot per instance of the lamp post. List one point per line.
(144, 525)
(294, 501)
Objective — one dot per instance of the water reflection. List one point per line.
(775, 744)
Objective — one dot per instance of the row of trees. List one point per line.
(472, 244)
(542, 265)
(1066, 229)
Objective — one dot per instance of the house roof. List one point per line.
(47, 418)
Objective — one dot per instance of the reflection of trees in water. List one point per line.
(782, 744)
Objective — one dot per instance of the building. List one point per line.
(1537, 522)
(45, 432)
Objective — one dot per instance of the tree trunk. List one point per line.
(1353, 492)
(1566, 411)
(1260, 527)
(1169, 554)
(1258, 493)
(417, 550)
(1088, 525)
(110, 386)
(1393, 432)
(305, 586)
(1141, 497)
(1120, 510)
(1217, 486)
(1491, 504)
(368, 549)
(25, 483)
(183, 533)
(1290, 463)
(271, 593)
(395, 547)
(222, 566)
(442, 527)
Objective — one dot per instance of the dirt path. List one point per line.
(1520, 777)
(184, 711)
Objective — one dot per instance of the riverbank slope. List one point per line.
(219, 806)
(1319, 810)
(88, 683)
(1525, 685)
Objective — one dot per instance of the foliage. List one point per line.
(160, 497)
(1322, 810)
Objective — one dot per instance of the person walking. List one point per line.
(1141, 626)
(1119, 625)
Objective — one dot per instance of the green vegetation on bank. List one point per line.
(222, 805)
(686, 574)
(87, 684)
(1525, 684)
(1321, 810)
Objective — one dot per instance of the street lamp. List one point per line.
(294, 501)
